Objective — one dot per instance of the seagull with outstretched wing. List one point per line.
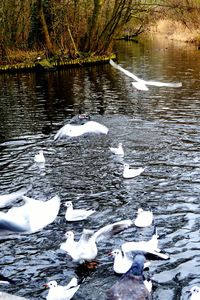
(141, 84)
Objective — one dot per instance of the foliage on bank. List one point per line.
(44, 64)
(71, 32)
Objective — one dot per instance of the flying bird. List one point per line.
(141, 84)
(73, 130)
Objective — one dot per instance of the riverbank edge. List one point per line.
(48, 65)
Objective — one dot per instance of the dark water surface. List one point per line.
(160, 131)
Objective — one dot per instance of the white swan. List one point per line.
(141, 84)
(144, 218)
(6, 199)
(86, 249)
(195, 293)
(39, 157)
(70, 130)
(58, 292)
(118, 151)
(30, 217)
(76, 214)
(131, 173)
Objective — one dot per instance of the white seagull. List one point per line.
(72, 130)
(195, 293)
(76, 214)
(150, 245)
(131, 173)
(123, 261)
(85, 250)
(118, 151)
(58, 292)
(144, 218)
(141, 84)
(30, 217)
(39, 157)
(6, 199)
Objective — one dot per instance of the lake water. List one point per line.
(159, 129)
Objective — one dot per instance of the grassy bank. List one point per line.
(30, 61)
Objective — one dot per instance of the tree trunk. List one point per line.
(45, 31)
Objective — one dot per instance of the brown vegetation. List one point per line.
(62, 30)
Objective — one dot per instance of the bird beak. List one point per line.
(45, 285)
(110, 253)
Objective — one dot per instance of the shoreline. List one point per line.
(48, 65)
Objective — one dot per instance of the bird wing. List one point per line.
(93, 126)
(149, 254)
(8, 224)
(63, 131)
(73, 282)
(141, 84)
(118, 67)
(86, 235)
(8, 198)
(111, 229)
(168, 84)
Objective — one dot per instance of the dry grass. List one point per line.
(177, 31)
(18, 56)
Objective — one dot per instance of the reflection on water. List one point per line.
(159, 130)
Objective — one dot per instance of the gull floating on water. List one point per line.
(118, 151)
(39, 157)
(123, 261)
(194, 293)
(76, 214)
(141, 84)
(131, 173)
(58, 292)
(144, 218)
(6, 199)
(85, 249)
(30, 217)
(70, 130)
(147, 246)
(131, 285)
